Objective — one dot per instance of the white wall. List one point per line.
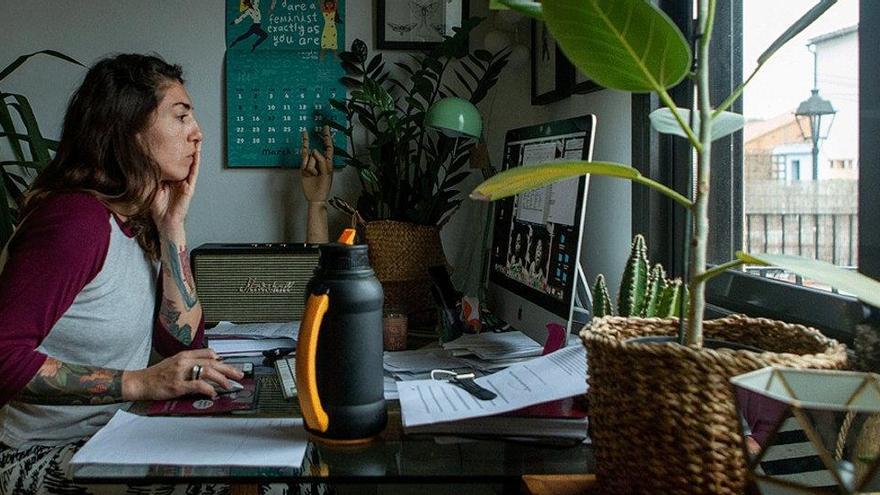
(231, 205)
(242, 205)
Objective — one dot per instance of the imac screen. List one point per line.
(537, 235)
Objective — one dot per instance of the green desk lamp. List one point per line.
(455, 117)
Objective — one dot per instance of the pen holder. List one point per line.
(394, 329)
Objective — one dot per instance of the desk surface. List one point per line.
(392, 458)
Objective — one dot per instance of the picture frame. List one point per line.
(552, 73)
(583, 85)
(417, 24)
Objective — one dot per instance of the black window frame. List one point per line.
(667, 159)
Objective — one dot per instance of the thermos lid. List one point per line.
(336, 256)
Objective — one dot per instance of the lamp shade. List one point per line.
(455, 117)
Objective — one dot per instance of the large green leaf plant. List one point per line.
(28, 150)
(631, 45)
(408, 172)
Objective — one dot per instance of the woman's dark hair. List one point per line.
(539, 236)
(100, 152)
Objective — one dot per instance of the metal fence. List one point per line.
(831, 237)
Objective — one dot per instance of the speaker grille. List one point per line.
(257, 287)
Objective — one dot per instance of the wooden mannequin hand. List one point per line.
(317, 177)
(317, 168)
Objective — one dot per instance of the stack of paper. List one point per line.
(563, 419)
(493, 346)
(553, 377)
(129, 439)
(235, 340)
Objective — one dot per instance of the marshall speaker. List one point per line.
(247, 283)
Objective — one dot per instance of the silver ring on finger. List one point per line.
(195, 372)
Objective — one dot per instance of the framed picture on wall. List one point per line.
(583, 84)
(552, 73)
(417, 24)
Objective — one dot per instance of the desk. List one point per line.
(393, 458)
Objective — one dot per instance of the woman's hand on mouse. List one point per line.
(185, 373)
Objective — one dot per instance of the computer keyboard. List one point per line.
(285, 370)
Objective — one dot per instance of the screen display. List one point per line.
(537, 234)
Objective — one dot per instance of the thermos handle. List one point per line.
(314, 414)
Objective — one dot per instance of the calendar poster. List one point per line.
(281, 70)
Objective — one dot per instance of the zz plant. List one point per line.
(407, 172)
(631, 45)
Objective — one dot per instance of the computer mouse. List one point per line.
(234, 386)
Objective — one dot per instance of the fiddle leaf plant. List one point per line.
(28, 150)
(631, 45)
(408, 172)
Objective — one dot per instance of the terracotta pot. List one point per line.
(662, 416)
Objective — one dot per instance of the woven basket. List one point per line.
(662, 416)
(400, 253)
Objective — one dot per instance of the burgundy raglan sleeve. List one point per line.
(165, 343)
(58, 249)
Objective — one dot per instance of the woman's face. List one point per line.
(173, 134)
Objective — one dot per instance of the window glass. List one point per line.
(800, 142)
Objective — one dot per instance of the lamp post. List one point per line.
(813, 116)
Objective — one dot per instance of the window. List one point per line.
(773, 189)
(779, 165)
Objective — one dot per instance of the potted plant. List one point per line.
(26, 162)
(643, 292)
(409, 173)
(662, 415)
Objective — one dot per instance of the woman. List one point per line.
(252, 10)
(538, 262)
(96, 276)
(330, 12)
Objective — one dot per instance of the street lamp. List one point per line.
(813, 117)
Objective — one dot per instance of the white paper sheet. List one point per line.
(420, 360)
(132, 439)
(288, 329)
(490, 346)
(554, 376)
(247, 347)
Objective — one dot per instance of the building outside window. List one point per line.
(785, 210)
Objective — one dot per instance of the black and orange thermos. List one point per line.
(339, 377)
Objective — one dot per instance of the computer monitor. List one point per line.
(534, 260)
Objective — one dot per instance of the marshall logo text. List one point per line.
(254, 286)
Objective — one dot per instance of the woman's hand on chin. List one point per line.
(171, 203)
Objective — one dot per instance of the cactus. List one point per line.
(631, 297)
(646, 294)
(656, 285)
(670, 301)
(601, 299)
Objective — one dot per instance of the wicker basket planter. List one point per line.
(662, 416)
(400, 253)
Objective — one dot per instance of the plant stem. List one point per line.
(733, 96)
(670, 193)
(697, 284)
(718, 270)
(667, 100)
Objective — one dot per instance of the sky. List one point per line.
(787, 78)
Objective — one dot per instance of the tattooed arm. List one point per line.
(62, 383)
(74, 384)
(180, 312)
